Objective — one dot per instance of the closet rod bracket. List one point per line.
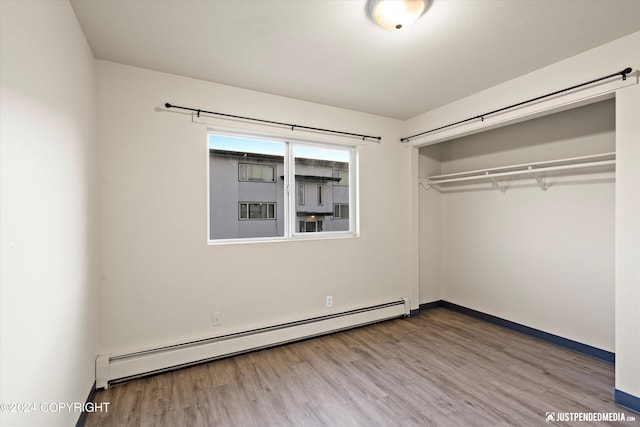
(427, 185)
(539, 177)
(496, 184)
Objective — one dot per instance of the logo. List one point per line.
(589, 417)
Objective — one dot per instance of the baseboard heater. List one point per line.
(112, 369)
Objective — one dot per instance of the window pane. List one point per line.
(255, 211)
(245, 190)
(300, 194)
(257, 172)
(341, 211)
(242, 172)
(322, 167)
(342, 176)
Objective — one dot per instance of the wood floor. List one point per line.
(441, 368)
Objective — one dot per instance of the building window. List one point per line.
(340, 211)
(243, 207)
(300, 195)
(256, 172)
(342, 177)
(310, 226)
(257, 210)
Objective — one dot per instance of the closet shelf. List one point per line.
(535, 169)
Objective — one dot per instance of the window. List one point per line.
(257, 210)
(300, 194)
(342, 176)
(310, 226)
(256, 172)
(258, 188)
(340, 211)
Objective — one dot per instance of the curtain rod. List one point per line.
(290, 125)
(622, 73)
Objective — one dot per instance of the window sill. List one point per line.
(298, 237)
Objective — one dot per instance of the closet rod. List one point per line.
(289, 125)
(622, 73)
(520, 172)
(570, 160)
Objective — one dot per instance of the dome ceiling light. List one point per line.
(394, 15)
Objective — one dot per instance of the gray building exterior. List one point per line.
(247, 200)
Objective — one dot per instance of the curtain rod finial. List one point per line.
(167, 105)
(625, 72)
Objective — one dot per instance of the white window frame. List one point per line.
(290, 200)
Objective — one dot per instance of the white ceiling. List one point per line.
(327, 51)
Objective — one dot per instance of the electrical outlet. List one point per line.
(329, 301)
(216, 319)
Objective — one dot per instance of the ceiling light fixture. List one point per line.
(394, 15)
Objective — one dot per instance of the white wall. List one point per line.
(160, 281)
(430, 228)
(47, 211)
(603, 60)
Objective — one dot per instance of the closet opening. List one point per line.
(518, 222)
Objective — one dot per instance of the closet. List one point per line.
(518, 222)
